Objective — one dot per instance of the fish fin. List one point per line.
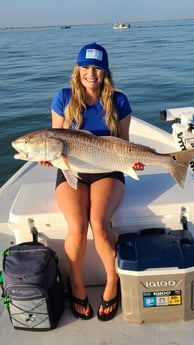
(83, 131)
(71, 178)
(113, 139)
(131, 172)
(65, 160)
(180, 163)
(70, 175)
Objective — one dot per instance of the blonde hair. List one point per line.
(77, 106)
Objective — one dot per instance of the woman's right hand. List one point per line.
(45, 164)
(138, 166)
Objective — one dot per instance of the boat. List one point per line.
(121, 26)
(65, 26)
(154, 201)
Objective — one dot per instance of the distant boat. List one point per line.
(121, 26)
(65, 26)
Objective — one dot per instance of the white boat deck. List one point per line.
(78, 332)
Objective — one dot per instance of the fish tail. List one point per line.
(179, 165)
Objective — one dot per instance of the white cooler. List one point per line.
(156, 270)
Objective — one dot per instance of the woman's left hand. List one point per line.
(138, 166)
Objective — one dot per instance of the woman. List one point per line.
(93, 104)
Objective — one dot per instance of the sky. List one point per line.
(25, 13)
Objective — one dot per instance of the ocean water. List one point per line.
(152, 63)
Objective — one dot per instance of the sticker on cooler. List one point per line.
(162, 298)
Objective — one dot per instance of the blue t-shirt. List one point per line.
(93, 116)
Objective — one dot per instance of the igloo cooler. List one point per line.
(156, 270)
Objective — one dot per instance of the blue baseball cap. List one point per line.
(93, 54)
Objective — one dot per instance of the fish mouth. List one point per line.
(21, 155)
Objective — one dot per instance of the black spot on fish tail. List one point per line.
(179, 165)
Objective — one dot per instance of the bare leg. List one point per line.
(106, 195)
(75, 206)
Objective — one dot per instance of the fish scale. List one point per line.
(116, 155)
(77, 151)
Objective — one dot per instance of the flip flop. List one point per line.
(106, 304)
(82, 302)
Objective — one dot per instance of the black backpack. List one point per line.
(33, 290)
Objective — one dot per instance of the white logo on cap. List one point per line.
(94, 54)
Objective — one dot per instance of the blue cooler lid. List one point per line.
(155, 249)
